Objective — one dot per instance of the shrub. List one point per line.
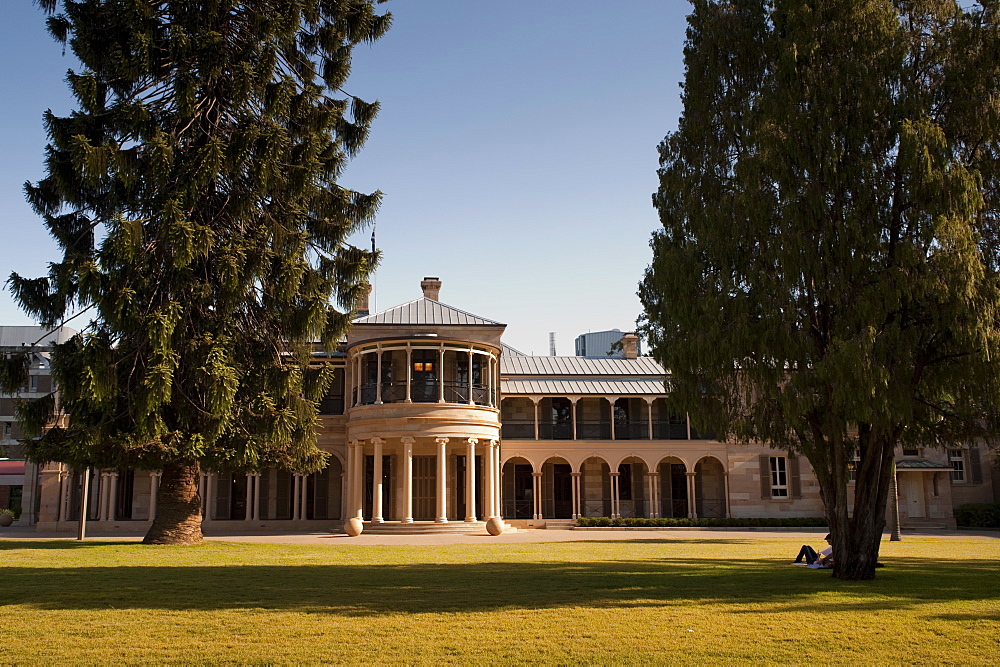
(978, 515)
(752, 522)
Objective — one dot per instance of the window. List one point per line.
(625, 481)
(7, 428)
(423, 366)
(33, 383)
(779, 477)
(957, 459)
(911, 451)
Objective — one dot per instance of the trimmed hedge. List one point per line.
(978, 515)
(790, 522)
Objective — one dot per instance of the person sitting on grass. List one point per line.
(811, 557)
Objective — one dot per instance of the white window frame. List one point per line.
(852, 469)
(956, 457)
(779, 476)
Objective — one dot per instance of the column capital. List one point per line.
(156, 473)
(690, 474)
(441, 440)
(576, 474)
(494, 443)
(652, 474)
(407, 440)
(473, 441)
(536, 474)
(377, 441)
(352, 443)
(614, 473)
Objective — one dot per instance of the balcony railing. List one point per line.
(550, 431)
(632, 430)
(668, 430)
(593, 430)
(517, 429)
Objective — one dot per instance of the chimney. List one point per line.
(431, 285)
(630, 345)
(362, 306)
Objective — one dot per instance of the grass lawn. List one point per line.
(678, 600)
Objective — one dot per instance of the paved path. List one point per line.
(524, 536)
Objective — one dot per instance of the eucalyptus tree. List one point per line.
(825, 279)
(193, 194)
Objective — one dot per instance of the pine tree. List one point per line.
(826, 276)
(194, 197)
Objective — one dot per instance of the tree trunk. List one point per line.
(857, 540)
(178, 507)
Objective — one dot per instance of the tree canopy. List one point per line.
(826, 276)
(194, 196)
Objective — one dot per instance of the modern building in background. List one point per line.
(18, 478)
(434, 424)
(602, 344)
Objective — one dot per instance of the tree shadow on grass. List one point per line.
(415, 588)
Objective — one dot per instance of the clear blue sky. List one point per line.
(516, 148)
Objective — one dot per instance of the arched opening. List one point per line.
(673, 489)
(557, 489)
(710, 488)
(595, 488)
(633, 488)
(518, 489)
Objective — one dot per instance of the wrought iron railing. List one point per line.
(637, 429)
(666, 430)
(593, 429)
(393, 392)
(517, 429)
(550, 431)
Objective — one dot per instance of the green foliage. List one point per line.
(826, 276)
(978, 515)
(667, 522)
(194, 196)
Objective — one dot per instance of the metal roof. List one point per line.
(507, 349)
(426, 311)
(566, 366)
(637, 387)
(920, 464)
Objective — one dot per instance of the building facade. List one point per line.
(432, 423)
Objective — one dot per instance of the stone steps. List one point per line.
(560, 524)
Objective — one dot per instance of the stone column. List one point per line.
(488, 482)
(65, 487)
(407, 443)
(296, 496)
(614, 494)
(692, 498)
(651, 496)
(201, 489)
(687, 421)
(248, 514)
(537, 479)
(470, 479)
(304, 498)
(442, 480)
(613, 433)
(649, 404)
(211, 486)
(440, 375)
(725, 478)
(359, 480)
(377, 482)
(378, 375)
(409, 374)
(577, 509)
(572, 414)
(154, 490)
(654, 483)
(348, 491)
(497, 480)
(113, 496)
(535, 402)
(471, 402)
(256, 497)
(102, 497)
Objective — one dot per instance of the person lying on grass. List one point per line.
(811, 557)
